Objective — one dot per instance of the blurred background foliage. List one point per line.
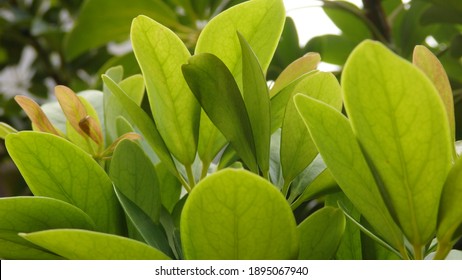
(72, 42)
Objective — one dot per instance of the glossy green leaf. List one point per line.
(135, 177)
(320, 234)
(153, 233)
(207, 75)
(160, 54)
(29, 214)
(234, 214)
(296, 69)
(142, 121)
(6, 129)
(94, 28)
(450, 213)
(432, 67)
(297, 148)
(55, 168)
(335, 140)
(257, 102)
(134, 87)
(259, 21)
(93, 245)
(403, 132)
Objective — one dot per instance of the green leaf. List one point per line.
(275, 160)
(134, 87)
(29, 214)
(333, 49)
(349, 19)
(296, 69)
(322, 185)
(93, 245)
(297, 147)
(127, 62)
(55, 168)
(234, 214)
(450, 213)
(153, 233)
(160, 54)
(170, 187)
(426, 61)
(280, 100)
(320, 234)
(362, 224)
(438, 15)
(6, 129)
(403, 132)
(350, 245)
(207, 75)
(142, 121)
(257, 102)
(211, 140)
(135, 177)
(287, 51)
(315, 177)
(259, 21)
(95, 28)
(335, 140)
(407, 29)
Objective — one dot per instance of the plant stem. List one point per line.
(190, 174)
(404, 254)
(184, 183)
(442, 251)
(376, 14)
(285, 188)
(418, 252)
(205, 168)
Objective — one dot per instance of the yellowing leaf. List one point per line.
(39, 120)
(432, 67)
(73, 109)
(301, 66)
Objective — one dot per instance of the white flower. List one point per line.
(16, 79)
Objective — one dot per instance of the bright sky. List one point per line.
(310, 19)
